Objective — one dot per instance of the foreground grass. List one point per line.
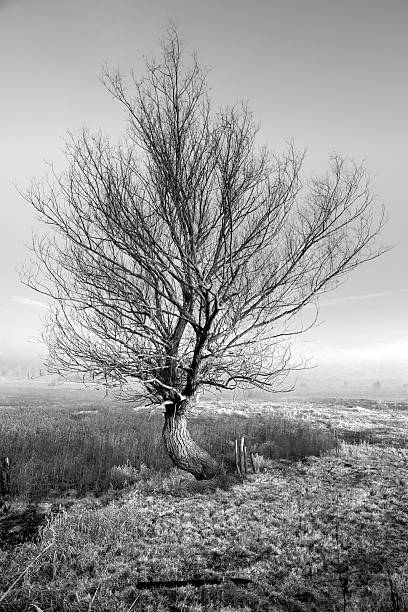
(324, 534)
(328, 534)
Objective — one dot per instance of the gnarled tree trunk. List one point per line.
(182, 449)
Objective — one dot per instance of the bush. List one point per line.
(125, 475)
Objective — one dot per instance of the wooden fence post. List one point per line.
(242, 458)
(245, 459)
(237, 462)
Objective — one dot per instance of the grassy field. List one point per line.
(61, 439)
(325, 531)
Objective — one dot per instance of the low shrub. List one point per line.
(126, 475)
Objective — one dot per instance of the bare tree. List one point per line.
(182, 257)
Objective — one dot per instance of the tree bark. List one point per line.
(182, 449)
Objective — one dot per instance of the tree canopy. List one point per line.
(182, 257)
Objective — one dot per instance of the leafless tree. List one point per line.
(182, 257)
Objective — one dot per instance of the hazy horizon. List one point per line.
(327, 74)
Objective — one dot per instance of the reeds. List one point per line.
(51, 450)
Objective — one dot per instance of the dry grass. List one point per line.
(328, 534)
(325, 534)
(55, 445)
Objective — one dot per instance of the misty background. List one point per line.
(329, 75)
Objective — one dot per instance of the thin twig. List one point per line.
(93, 598)
(132, 606)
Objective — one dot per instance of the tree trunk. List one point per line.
(182, 449)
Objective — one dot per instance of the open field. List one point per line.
(325, 531)
(60, 439)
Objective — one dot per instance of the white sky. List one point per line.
(329, 74)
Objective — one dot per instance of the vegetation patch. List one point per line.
(52, 453)
(323, 527)
(325, 534)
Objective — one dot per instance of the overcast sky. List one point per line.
(330, 74)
